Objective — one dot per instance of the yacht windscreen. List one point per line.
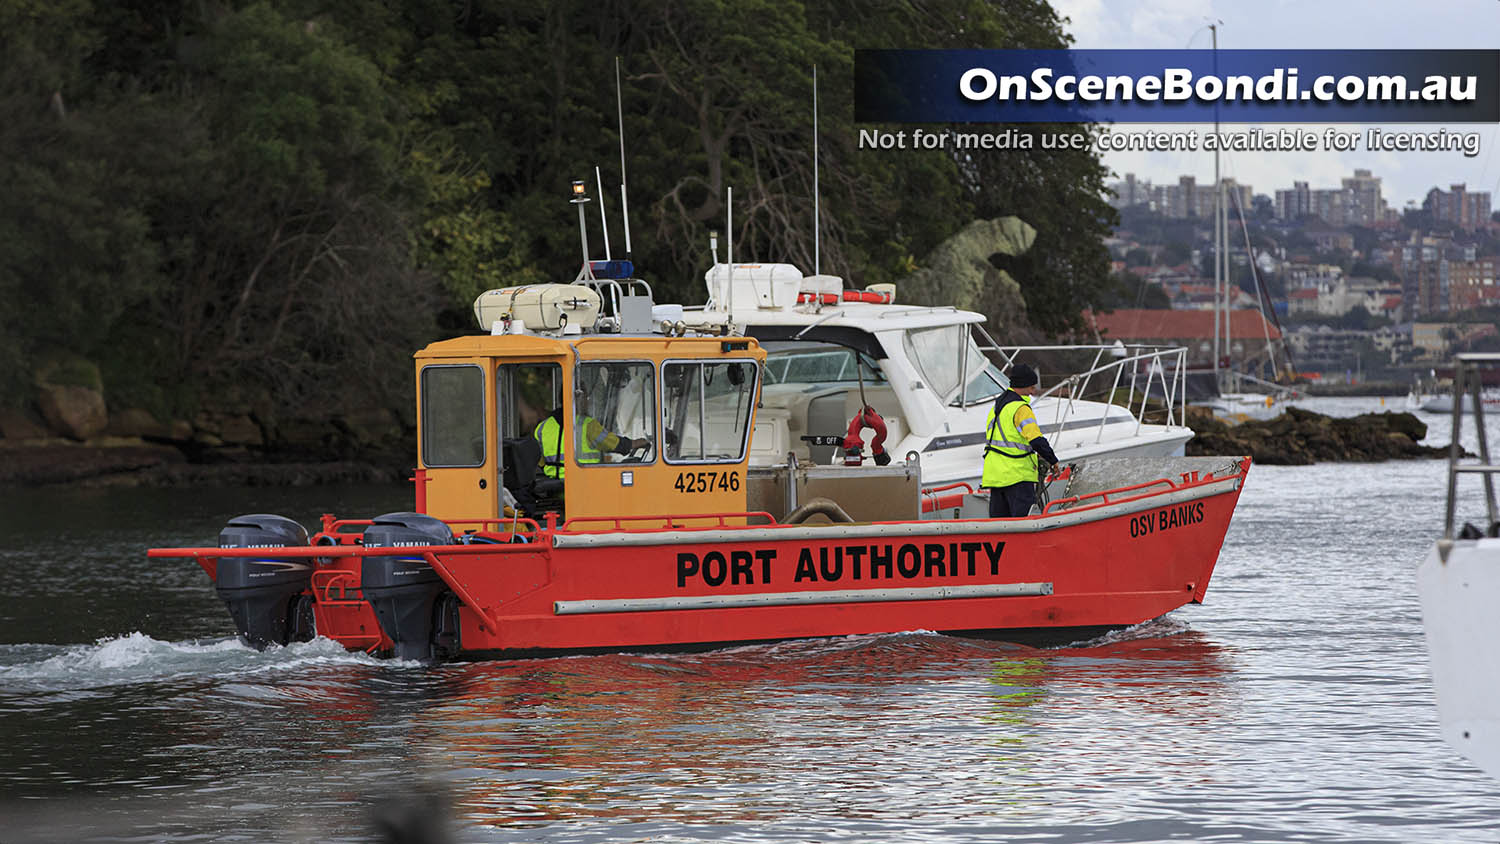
(817, 364)
(947, 355)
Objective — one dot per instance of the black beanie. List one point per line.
(1022, 375)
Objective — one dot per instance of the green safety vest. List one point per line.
(1008, 458)
(550, 433)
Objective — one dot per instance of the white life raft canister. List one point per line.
(541, 307)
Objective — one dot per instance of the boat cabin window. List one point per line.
(819, 364)
(616, 401)
(452, 416)
(706, 410)
(526, 393)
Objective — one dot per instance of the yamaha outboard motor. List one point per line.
(268, 598)
(414, 606)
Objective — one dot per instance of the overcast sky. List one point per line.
(1308, 25)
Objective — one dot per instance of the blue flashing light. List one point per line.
(612, 269)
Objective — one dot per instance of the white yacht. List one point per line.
(1459, 582)
(927, 371)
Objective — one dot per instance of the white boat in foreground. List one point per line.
(1459, 582)
(927, 371)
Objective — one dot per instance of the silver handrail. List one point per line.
(1158, 361)
(1466, 373)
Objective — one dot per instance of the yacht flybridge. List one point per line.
(926, 371)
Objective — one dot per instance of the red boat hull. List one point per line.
(1126, 557)
(1109, 572)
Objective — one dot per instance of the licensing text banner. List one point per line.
(1177, 86)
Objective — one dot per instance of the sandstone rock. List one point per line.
(308, 436)
(228, 428)
(73, 411)
(18, 425)
(375, 427)
(136, 422)
(958, 272)
(241, 430)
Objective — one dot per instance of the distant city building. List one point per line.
(1294, 203)
(1363, 205)
(1329, 239)
(1424, 280)
(1323, 347)
(1459, 207)
(1357, 202)
(1471, 283)
(1345, 295)
(1438, 338)
(1184, 200)
(1433, 338)
(1305, 276)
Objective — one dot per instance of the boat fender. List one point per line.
(866, 418)
(825, 506)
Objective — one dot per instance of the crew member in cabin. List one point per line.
(590, 446)
(1013, 445)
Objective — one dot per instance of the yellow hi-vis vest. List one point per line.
(550, 433)
(1008, 457)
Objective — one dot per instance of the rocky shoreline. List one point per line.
(68, 438)
(1299, 437)
(137, 463)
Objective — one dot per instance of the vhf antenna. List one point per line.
(817, 256)
(603, 220)
(624, 197)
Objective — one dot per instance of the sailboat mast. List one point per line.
(1218, 204)
(1229, 286)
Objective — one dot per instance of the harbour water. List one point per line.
(1294, 705)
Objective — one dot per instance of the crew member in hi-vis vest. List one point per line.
(1013, 443)
(593, 441)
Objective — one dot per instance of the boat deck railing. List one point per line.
(1468, 380)
(1164, 367)
(1279, 392)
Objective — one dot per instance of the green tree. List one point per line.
(75, 216)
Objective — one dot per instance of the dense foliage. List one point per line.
(285, 197)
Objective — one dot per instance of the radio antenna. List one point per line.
(603, 221)
(624, 196)
(817, 240)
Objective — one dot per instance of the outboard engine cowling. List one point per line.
(412, 603)
(267, 597)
